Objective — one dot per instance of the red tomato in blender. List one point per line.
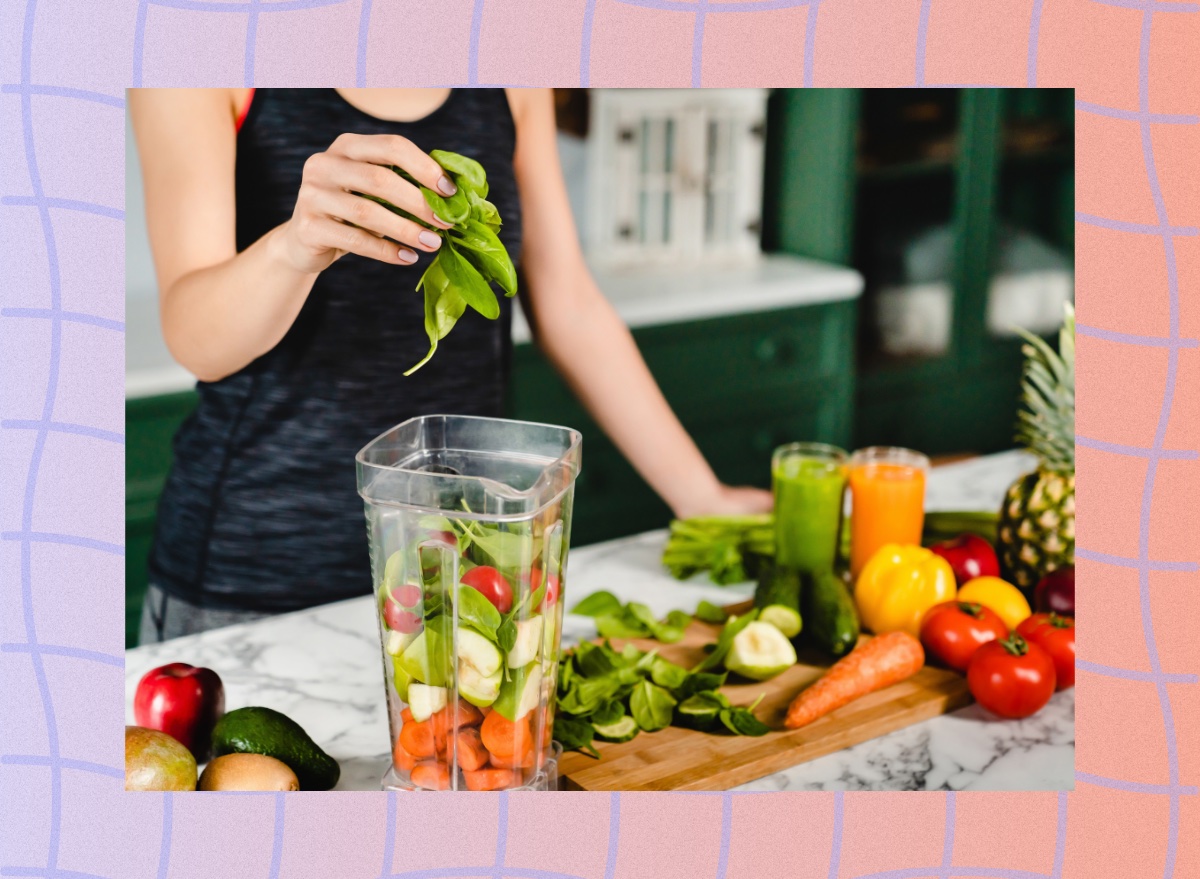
(492, 585)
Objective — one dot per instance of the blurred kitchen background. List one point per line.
(838, 265)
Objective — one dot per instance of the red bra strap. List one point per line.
(245, 111)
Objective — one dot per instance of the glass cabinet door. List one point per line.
(1032, 264)
(904, 239)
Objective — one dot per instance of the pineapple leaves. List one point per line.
(1046, 423)
(472, 256)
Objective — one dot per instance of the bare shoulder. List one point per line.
(528, 104)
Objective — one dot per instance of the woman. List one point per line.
(300, 326)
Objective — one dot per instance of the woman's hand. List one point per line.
(329, 221)
(729, 500)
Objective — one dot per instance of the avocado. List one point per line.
(257, 730)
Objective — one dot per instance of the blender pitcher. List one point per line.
(469, 520)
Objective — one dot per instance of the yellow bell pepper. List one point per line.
(898, 584)
(997, 595)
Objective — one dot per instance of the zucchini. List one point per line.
(946, 525)
(620, 731)
(778, 599)
(832, 617)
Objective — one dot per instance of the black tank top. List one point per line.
(260, 510)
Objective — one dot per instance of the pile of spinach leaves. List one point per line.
(599, 685)
(471, 257)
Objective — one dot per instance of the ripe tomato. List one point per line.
(1011, 677)
(953, 630)
(399, 618)
(552, 590)
(492, 585)
(1056, 635)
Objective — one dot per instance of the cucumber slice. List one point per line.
(785, 619)
(701, 710)
(621, 731)
(759, 652)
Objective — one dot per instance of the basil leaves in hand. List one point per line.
(471, 257)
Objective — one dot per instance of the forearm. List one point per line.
(218, 319)
(595, 353)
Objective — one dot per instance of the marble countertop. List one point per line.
(643, 297)
(322, 667)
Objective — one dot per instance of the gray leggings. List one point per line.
(165, 617)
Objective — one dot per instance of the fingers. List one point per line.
(334, 171)
(328, 232)
(392, 149)
(374, 217)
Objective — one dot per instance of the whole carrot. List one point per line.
(880, 662)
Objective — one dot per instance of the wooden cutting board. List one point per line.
(684, 759)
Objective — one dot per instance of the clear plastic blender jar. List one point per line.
(469, 521)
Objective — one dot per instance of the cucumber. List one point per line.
(621, 731)
(832, 617)
(778, 599)
(701, 710)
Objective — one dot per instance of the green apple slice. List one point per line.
(392, 570)
(480, 668)
(760, 651)
(425, 701)
(400, 679)
(478, 652)
(529, 639)
(397, 641)
(480, 690)
(521, 693)
(426, 658)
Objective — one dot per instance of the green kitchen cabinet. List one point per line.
(741, 385)
(854, 174)
(150, 426)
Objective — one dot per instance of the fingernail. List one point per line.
(438, 221)
(430, 239)
(406, 256)
(446, 185)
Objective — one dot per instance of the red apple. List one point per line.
(182, 701)
(970, 556)
(1055, 593)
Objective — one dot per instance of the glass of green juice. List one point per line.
(809, 481)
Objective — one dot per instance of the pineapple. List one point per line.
(1037, 521)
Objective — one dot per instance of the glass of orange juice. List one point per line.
(887, 498)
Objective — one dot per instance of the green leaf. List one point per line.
(608, 713)
(667, 674)
(453, 209)
(506, 635)
(465, 279)
(476, 241)
(742, 722)
(725, 641)
(597, 604)
(484, 211)
(443, 306)
(465, 170)
(710, 613)
(619, 626)
(477, 612)
(701, 681)
(575, 735)
(651, 706)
